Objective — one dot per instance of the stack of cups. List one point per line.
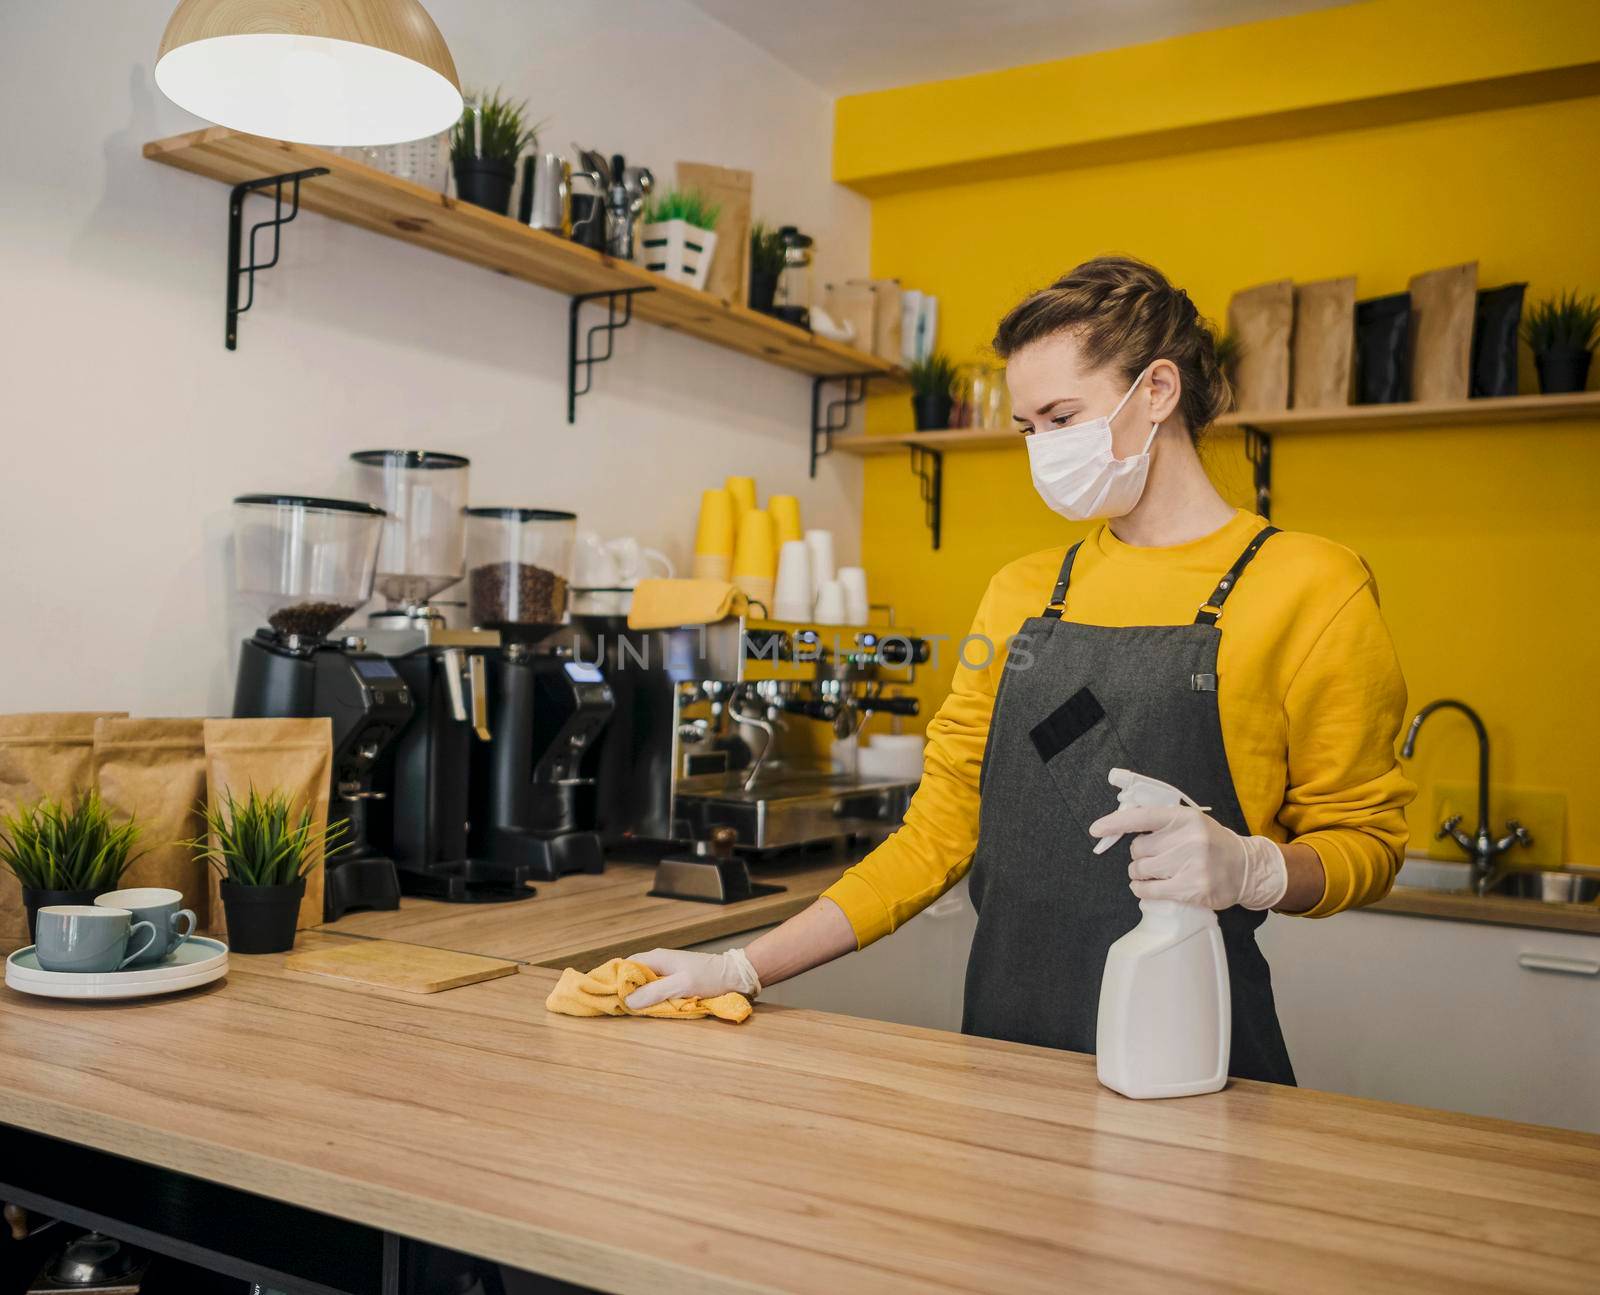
(743, 490)
(853, 580)
(785, 510)
(755, 558)
(791, 599)
(821, 545)
(713, 541)
(830, 603)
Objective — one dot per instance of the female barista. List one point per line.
(1181, 638)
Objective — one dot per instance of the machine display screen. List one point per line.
(373, 669)
(579, 673)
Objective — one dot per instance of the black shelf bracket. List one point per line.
(928, 465)
(1258, 449)
(236, 246)
(831, 416)
(613, 323)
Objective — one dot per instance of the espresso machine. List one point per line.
(545, 705)
(306, 564)
(728, 745)
(426, 771)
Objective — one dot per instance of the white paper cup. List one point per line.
(856, 607)
(830, 603)
(821, 545)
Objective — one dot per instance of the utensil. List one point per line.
(547, 192)
(84, 939)
(162, 908)
(198, 962)
(791, 595)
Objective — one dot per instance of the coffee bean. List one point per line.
(309, 620)
(516, 593)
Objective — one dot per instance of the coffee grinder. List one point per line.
(426, 770)
(545, 706)
(306, 564)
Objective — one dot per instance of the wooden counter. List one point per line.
(1497, 910)
(797, 1152)
(582, 920)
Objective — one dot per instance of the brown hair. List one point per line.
(1124, 312)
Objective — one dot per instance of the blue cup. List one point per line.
(87, 938)
(163, 909)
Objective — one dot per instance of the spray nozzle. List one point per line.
(1140, 789)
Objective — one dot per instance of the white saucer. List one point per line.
(198, 961)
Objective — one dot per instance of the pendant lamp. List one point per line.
(333, 72)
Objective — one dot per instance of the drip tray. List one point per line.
(796, 809)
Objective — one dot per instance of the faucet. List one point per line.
(1481, 848)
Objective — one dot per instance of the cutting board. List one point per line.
(389, 964)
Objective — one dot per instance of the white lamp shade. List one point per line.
(361, 72)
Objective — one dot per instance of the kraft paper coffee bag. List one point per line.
(154, 771)
(48, 754)
(1323, 352)
(294, 756)
(1443, 303)
(1262, 318)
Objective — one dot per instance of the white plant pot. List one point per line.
(678, 250)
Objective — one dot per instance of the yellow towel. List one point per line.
(601, 993)
(665, 604)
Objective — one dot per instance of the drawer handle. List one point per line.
(1556, 963)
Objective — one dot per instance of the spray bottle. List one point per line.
(1165, 1019)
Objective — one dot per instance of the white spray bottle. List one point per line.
(1165, 1018)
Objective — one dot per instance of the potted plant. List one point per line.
(65, 856)
(262, 850)
(766, 265)
(678, 236)
(932, 387)
(484, 148)
(1560, 332)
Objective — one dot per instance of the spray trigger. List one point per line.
(1139, 789)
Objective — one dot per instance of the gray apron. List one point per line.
(1074, 702)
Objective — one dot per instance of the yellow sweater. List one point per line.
(1309, 690)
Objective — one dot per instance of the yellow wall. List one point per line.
(1486, 542)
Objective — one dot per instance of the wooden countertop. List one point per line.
(583, 919)
(798, 1151)
(1497, 910)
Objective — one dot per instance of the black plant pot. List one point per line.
(34, 900)
(484, 183)
(1562, 368)
(763, 288)
(932, 410)
(261, 919)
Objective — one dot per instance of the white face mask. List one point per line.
(1076, 473)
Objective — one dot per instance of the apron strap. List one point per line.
(1058, 600)
(1212, 607)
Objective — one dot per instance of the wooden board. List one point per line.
(582, 920)
(361, 195)
(803, 1151)
(1578, 406)
(415, 969)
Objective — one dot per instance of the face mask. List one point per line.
(1078, 476)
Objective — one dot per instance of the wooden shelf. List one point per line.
(1355, 418)
(384, 204)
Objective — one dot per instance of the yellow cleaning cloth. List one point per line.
(601, 993)
(666, 604)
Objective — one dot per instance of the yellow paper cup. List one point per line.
(713, 566)
(755, 553)
(785, 510)
(743, 490)
(715, 534)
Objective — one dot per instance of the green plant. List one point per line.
(492, 128)
(260, 841)
(688, 205)
(51, 847)
(766, 249)
(934, 376)
(1567, 322)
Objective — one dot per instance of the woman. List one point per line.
(1182, 639)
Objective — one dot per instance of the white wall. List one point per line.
(127, 427)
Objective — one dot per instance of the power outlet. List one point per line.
(1543, 813)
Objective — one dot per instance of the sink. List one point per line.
(1550, 886)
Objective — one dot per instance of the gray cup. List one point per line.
(85, 938)
(163, 909)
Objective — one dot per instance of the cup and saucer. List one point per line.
(83, 950)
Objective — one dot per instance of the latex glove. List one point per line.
(1184, 854)
(693, 975)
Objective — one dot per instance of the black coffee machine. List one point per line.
(545, 710)
(307, 563)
